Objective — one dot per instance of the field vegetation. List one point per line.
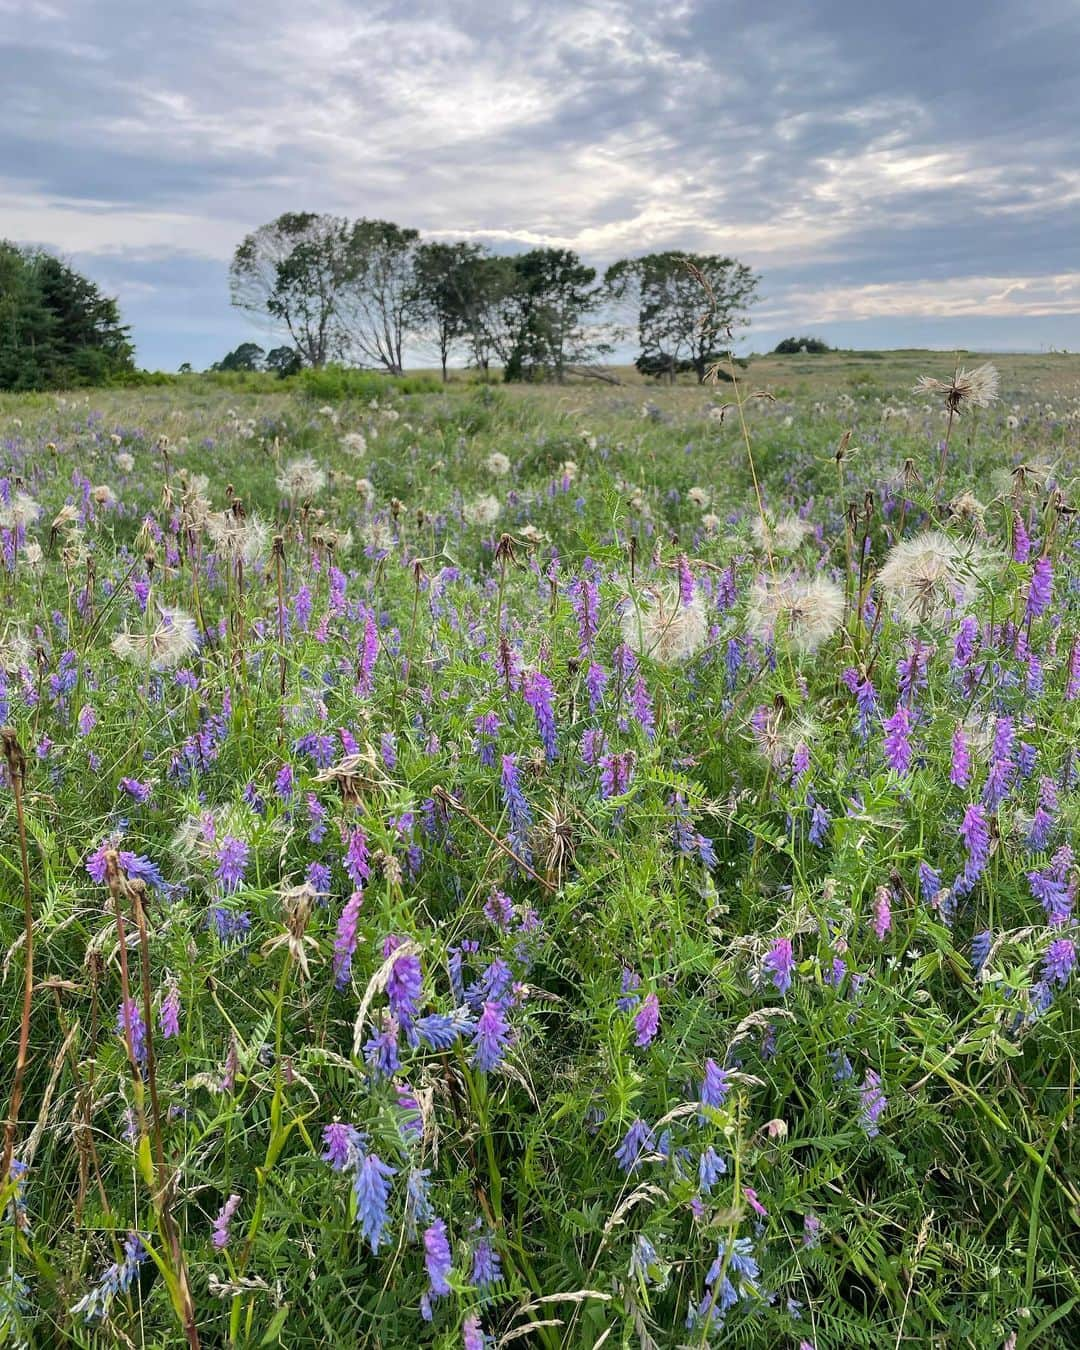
(581, 865)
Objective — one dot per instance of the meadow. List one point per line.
(574, 866)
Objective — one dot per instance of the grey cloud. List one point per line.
(829, 143)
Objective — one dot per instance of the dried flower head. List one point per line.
(662, 627)
(175, 638)
(927, 577)
(301, 478)
(780, 536)
(239, 538)
(497, 464)
(20, 511)
(978, 387)
(969, 512)
(484, 510)
(804, 612)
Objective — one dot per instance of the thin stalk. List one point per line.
(16, 763)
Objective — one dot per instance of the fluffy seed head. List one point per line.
(804, 612)
(663, 628)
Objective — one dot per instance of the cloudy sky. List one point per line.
(899, 174)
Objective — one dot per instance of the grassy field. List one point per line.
(542, 866)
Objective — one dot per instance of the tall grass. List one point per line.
(598, 899)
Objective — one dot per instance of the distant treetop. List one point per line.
(57, 330)
(796, 346)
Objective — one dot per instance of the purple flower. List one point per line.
(516, 805)
(345, 941)
(1021, 541)
(403, 991)
(499, 910)
(975, 833)
(630, 981)
(714, 1086)
(779, 963)
(641, 707)
(472, 1333)
(169, 1016)
(141, 792)
(369, 650)
(441, 1030)
(130, 1025)
(639, 1139)
(819, 825)
(882, 913)
(711, 1167)
(1041, 588)
(980, 949)
(371, 1186)
(811, 1231)
(229, 924)
(486, 1267)
(356, 859)
(647, 1020)
(342, 1144)
(491, 1037)
(220, 1237)
(872, 1103)
(964, 644)
(615, 774)
(960, 773)
(585, 599)
(538, 693)
(596, 679)
(1051, 887)
(381, 1048)
(897, 745)
(1059, 961)
(232, 858)
(437, 1258)
(686, 581)
(865, 699)
(283, 783)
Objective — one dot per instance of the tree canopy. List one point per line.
(682, 307)
(56, 328)
(365, 290)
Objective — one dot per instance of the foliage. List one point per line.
(56, 328)
(293, 273)
(795, 346)
(680, 306)
(493, 824)
(248, 356)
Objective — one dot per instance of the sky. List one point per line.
(898, 174)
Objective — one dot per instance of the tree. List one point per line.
(381, 301)
(682, 306)
(185, 368)
(447, 279)
(487, 284)
(284, 361)
(537, 314)
(248, 356)
(793, 346)
(294, 273)
(56, 327)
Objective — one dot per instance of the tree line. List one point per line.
(56, 328)
(363, 291)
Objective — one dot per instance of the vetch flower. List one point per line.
(491, 1037)
(872, 1103)
(779, 964)
(647, 1020)
(220, 1237)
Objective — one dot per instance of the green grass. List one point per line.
(366, 652)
